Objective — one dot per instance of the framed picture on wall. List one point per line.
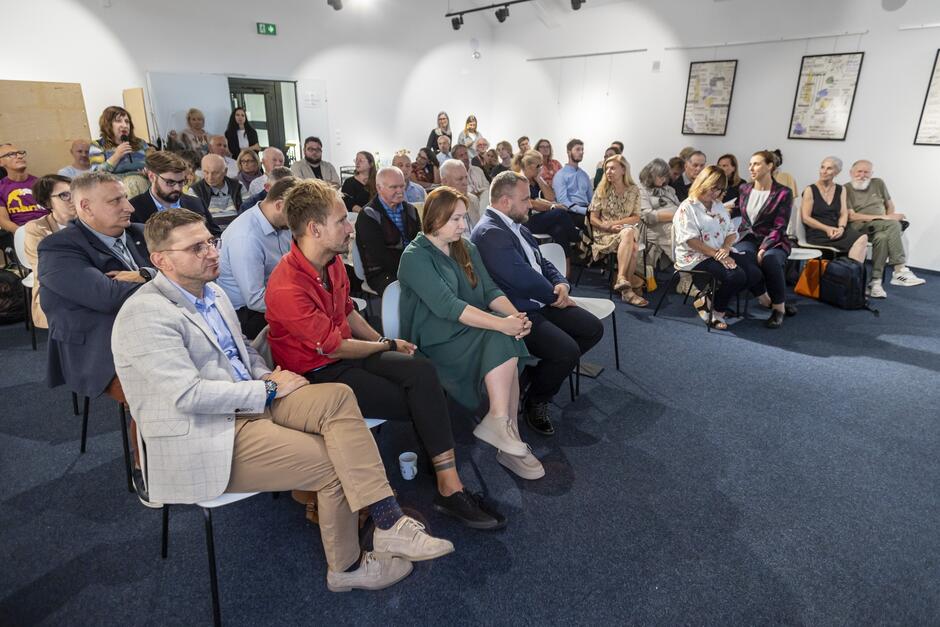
(708, 97)
(928, 127)
(825, 93)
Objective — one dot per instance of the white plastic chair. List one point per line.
(360, 270)
(391, 324)
(601, 308)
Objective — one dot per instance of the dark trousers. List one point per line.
(396, 387)
(251, 321)
(558, 338)
(773, 269)
(556, 223)
(730, 282)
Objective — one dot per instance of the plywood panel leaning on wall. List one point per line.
(135, 104)
(44, 119)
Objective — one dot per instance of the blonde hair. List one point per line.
(523, 160)
(627, 178)
(711, 177)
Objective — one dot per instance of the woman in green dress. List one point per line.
(447, 300)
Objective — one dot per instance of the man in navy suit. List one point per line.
(86, 272)
(561, 331)
(167, 174)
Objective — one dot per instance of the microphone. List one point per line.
(123, 139)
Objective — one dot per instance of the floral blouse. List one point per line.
(694, 221)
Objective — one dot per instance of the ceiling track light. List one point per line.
(502, 12)
(336, 4)
(576, 4)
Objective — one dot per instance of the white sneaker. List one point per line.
(528, 466)
(408, 539)
(906, 278)
(875, 290)
(375, 572)
(498, 431)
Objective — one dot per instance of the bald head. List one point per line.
(454, 174)
(218, 145)
(213, 170)
(403, 163)
(390, 185)
(272, 158)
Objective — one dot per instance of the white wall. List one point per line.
(390, 65)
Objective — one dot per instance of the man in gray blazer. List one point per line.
(215, 419)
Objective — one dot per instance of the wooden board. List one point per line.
(43, 119)
(134, 103)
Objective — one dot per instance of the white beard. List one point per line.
(861, 186)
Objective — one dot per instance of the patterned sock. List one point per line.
(386, 512)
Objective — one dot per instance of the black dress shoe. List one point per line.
(790, 310)
(537, 417)
(470, 509)
(775, 321)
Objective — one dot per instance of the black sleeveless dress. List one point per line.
(828, 214)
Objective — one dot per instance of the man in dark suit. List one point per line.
(221, 195)
(561, 331)
(167, 174)
(384, 228)
(87, 271)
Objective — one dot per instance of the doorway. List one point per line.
(271, 107)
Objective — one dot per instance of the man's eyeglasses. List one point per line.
(14, 153)
(171, 182)
(63, 196)
(201, 249)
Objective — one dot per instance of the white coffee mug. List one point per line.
(408, 462)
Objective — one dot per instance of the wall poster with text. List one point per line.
(825, 93)
(708, 97)
(928, 128)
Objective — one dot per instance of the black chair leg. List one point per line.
(213, 577)
(165, 540)
(26, 302)
(571, 385)
(127, 451)
(613, 323)
(74, 403)
(577, 378)
(662, 297)
(85, 422)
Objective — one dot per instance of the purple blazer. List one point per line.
(770, 227)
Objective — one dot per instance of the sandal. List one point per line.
(701, 307)
(628, 296)
(719, 325)
(621, 284)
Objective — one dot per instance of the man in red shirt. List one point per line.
(314, 329)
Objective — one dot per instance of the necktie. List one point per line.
(125, 254)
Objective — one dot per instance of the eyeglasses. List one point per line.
(171, 182)
(14, 153)
(63, 196)
(200, 250)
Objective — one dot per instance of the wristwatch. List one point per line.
(271, 388)
(145, 274)
(392, 344)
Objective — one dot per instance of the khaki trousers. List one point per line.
(886, 244)
(314, 439)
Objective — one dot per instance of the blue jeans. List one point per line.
(773, 268)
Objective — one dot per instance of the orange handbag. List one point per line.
(808, 285)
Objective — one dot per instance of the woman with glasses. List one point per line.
(442, 128)
(249, 168)
(119, 151)
(550, 165)
(704, 236)
(51, 192)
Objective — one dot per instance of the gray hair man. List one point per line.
(271, 158)
(454, 174)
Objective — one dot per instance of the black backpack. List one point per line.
(12, 303)
(843, 284)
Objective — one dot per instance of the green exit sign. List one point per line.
(267, 29)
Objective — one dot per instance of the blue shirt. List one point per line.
(160, 206)
(251, 248)
(415, 193)
(397, 214)
(573, 189)
(210, 313)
